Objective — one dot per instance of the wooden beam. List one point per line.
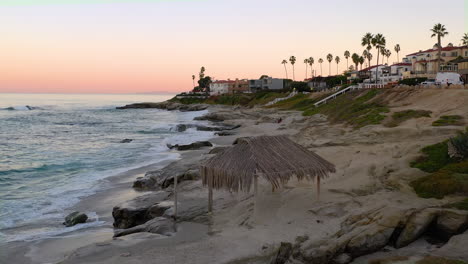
(210, 197)
(318, 187)
(175, 197)
(255, 194)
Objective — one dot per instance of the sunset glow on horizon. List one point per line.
(142, 46)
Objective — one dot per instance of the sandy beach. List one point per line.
(371, 183)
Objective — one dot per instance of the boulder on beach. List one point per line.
(192, 146)
(451, 222)
(128, 217)
(224, 133)
(75, 218)
(144, 183)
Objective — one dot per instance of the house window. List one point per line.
(454, 54)
(443, 54)
(466, 53)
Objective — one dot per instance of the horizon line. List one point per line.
(72, 2)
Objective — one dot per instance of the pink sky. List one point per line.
(156, 46)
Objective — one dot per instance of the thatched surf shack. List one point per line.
(275, 158)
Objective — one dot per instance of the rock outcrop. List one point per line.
(415, 227)
(371, 231)
(75, 218)
(167, 106)
(220, 116)
(191, 146)
(220, 127)
(451, 222)
(140, 210)
(224, 133)
(183, 170)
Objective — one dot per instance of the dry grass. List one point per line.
(275, 158)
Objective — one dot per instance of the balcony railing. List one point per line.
(449, 68)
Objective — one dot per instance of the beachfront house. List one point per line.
(220, 87)
(318, 83)
(394, 73)
(229, 87)
(266, 83)
(424, 63)
(239, 86)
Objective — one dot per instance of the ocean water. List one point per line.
(55, 149)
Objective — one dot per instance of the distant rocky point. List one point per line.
(167, 106)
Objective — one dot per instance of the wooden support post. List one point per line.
(175, 197)
(255, 194)
(318, 188)
(210, 197)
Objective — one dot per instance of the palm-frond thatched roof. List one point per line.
(275, 158)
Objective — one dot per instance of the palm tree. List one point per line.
(347, 55)
(465, 39)
(388, 53)
(292, 59)
(306, 61)
(369, 57)
(383, 51)
(202, 72)
(337, 60)
(397, 50)
(193, 80)
(367, 42)
(329, 59)
(439, 31)
(361, 61)
(365, 54)
(321, 71)
(284, 62)
(355, 59)
(311, 63)
(379, 43)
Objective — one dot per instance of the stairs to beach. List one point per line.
(333, 96)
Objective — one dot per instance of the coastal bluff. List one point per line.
(166, 105)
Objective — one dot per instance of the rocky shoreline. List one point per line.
(166, 105)
(366, 208)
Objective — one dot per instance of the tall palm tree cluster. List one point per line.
(369, 41)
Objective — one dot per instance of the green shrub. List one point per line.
(462, 205)
(450, 120)
(435, 157)
(459, 146)
(412, 81)
(451, 179)
(402, 116)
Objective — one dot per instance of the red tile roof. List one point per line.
(432, 50)
(372, 67)
(402, 64)
(223, 81)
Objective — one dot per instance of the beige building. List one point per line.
(424, 63)
(239, 86)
